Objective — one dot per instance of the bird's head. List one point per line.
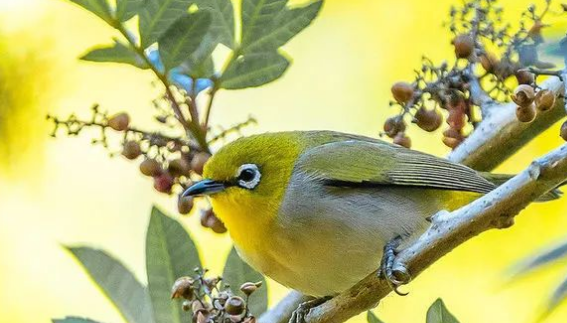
(246, 179)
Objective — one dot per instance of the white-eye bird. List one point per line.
(313, 210)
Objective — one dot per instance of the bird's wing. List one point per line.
(365, 163)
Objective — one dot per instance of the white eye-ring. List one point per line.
(248, 176)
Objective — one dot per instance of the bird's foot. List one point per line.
(303, 309)
(395, 277)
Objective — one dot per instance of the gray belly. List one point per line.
(334, 236)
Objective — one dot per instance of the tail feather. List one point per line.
(499, 179)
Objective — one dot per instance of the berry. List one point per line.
(524, 77)
(186, 306)
(544, 100)
(456, 119)
(183, 288)
(119, 122)
(526, 113)
(150, 167)
(185, 204)
(489, 62)
(563, 132)
(179, 167)
(210, 220)
(523, 95)
(131, 150)
(464, 45)
(402, 140)
(198, 162)
(234, 305)
(452, 138)
(249, 288)
(402, 92)
(163, 183)
(428, 120)
(393, 126)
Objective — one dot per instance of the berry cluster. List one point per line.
(172, 162)
(488, 56)
(209, 300)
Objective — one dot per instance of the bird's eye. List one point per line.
(248, 176)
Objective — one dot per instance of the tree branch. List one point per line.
(449, 230)
(500, 135)
(496, 138)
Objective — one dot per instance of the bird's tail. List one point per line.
(499, 179)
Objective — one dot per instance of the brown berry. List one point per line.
(185, 204)
(428, 120)
(150, 167)
(210, 220)
(250, 319)
(131, 149)
(526, 113)
(198, 162)
(456, 119)
(402, 140)
(544, 100)
(464, 45)
(402, 92)
(393, 126)
(183, 288)
(163, 182)
(489, 62)
(249, 288)
(451, 142)
(523, 95)
(235, 305)
(119, 122)
(524, 77)
(179, 167)
(563, 132)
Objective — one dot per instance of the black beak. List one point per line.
(204, 187)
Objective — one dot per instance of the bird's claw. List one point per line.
(395, 277)
(303, 309)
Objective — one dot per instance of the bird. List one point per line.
(317, 210)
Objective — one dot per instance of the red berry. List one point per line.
(163, 183)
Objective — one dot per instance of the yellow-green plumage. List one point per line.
(327, 202)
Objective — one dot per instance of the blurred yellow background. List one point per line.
(66, 191)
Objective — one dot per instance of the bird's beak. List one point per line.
(204, 187)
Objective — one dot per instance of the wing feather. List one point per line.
(360, 162)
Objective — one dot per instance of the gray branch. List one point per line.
(449, 230)
(496, 138)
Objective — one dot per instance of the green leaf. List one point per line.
(223, 19)
(438, 313)
(170, 254)
(118, 53)
(73, 319)
(254, 70)
(540, 259)
(237, 272)
(98, 7)
(183, 38)
(371, 318)
(257, 15)
(127, 9)
(156, 16)
(128, 295)
(287, 24)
